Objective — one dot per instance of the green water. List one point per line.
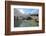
(25, 23)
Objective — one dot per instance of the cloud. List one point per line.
(27, 10)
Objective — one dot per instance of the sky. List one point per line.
(28, 10)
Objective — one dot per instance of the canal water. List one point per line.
(26, 23)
